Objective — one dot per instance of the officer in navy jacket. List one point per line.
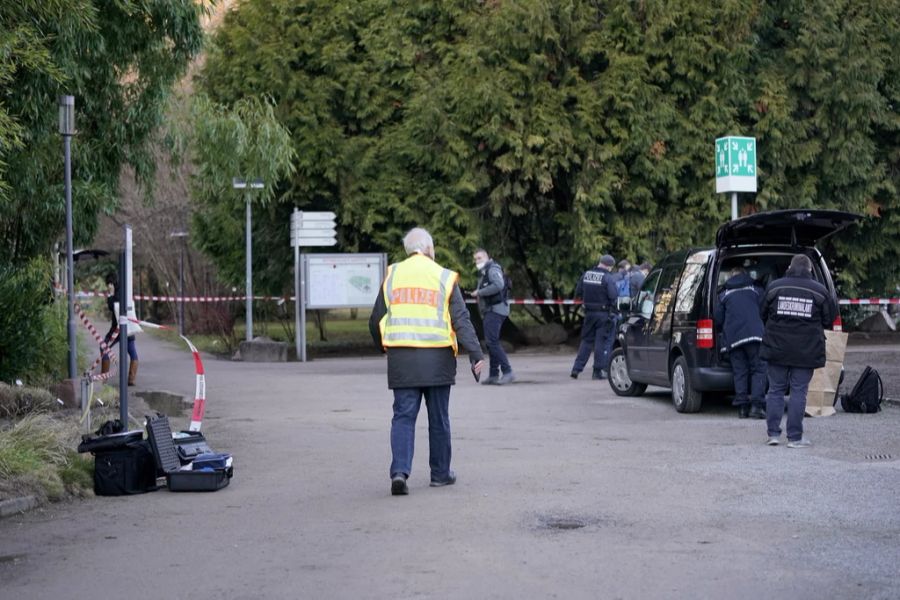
(597, 287)
(796, 310)
(738, 314)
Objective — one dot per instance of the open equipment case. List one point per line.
(203, 472)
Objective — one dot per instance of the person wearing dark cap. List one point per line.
(597, 288)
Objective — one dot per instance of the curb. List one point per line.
(15, 506)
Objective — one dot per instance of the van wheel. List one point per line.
(619, 380)
(685, 398)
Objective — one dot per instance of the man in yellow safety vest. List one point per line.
(419, 319)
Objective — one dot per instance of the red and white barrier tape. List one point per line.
(868, 301)
(532, 301)
(200, 373)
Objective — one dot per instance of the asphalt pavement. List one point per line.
(564, 491)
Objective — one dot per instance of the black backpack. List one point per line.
(866, 395)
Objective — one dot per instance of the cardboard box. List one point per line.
(825, 381)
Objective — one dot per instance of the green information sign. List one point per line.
(735, 164)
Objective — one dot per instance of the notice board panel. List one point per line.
(342, 280)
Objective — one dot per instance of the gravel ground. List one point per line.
(885, 359)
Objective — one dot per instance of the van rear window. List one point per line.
(763, 268)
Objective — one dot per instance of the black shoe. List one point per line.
(398, 485)
(574, 374)
(757, 412)
(604, 374)
(451, 479)
(743, 411)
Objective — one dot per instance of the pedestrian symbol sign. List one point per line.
(735, 164)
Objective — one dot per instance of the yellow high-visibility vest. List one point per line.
(417, 295)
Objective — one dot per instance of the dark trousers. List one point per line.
(596, 334)
(499, 362)
(407, 402)
(749, 375)
(780, 378)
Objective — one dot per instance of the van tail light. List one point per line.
(705, 333)
(838, 325)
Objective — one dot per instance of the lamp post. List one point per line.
(182, 235)
(242, 184)
(67, 130)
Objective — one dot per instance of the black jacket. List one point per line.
(427, 367)
(738, 311)
(796, 310)
(597, 287)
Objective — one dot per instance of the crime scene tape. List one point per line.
(531, 301)
(105, 348)
(200, 374)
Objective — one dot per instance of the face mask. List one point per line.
(480, 265)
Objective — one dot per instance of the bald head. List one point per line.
(418, 240)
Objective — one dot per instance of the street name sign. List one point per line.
(735, 164)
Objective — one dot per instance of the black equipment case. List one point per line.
(123, 463)
(168, 463)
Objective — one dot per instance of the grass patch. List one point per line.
(37, 457)
(340, 328)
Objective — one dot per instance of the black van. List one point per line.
(668, 337)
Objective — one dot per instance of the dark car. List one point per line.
(669, 338)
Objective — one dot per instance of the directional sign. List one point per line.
(308, 234)
(299, 226)
(318, 216)
(735, 164)
(313, 229)
(303, 243)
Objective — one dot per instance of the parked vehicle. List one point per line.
(669, 338)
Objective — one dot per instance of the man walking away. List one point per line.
(492, 302)
(597, 287)
(738, 313)
(417, 319)
(796, 311)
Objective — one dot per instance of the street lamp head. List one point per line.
(178, 234)
(67, 115)
(238, 183)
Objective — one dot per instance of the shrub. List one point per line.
(32, 328)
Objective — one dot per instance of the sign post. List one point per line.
(307, 229)
(735, 168)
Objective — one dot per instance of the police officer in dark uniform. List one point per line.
(597, 287)
(796, 310)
